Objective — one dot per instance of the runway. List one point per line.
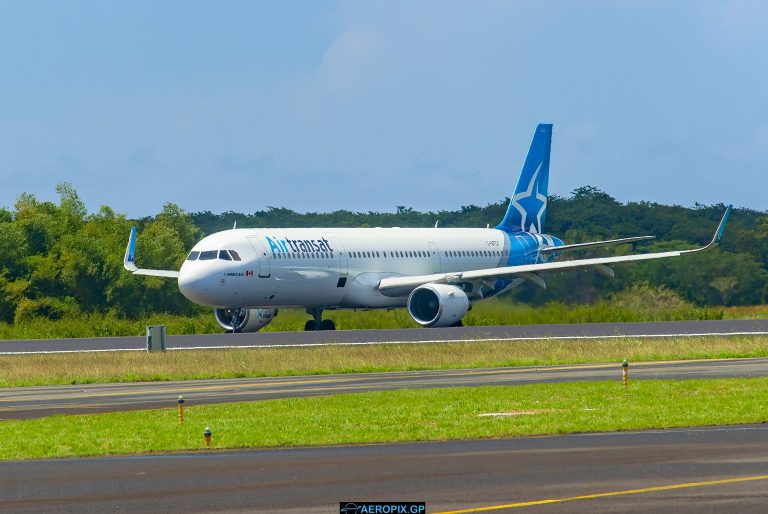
(453, 334)
(30, 402)
(684, 471)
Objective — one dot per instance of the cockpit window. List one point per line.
(224, 255)
(193, 256)
(208, 255)
(234, 255)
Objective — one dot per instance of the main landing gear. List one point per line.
(318, 323)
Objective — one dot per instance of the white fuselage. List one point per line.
(341, 267)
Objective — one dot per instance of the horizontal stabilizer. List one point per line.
(581, 246)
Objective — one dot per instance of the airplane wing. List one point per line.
(130, 264)
(405, 284)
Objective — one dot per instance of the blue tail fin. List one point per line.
(528, 206)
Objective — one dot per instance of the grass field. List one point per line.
(407, 415)
(637, 304)
(26, 370)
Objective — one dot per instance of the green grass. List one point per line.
(51, 369)
(639, 304)
(407, 415)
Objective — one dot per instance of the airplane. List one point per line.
(246, 274)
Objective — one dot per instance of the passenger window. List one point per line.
(193, 256)
(224, 255)
(234, 255)
(208, 255)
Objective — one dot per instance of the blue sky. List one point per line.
(318, 106)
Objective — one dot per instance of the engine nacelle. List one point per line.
(244, 320)
(437, 305)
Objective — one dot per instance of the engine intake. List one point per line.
(437, 305)
(244, 320)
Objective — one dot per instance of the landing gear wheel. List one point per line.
(310, 325)
(327, 324)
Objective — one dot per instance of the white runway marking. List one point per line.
(427, 341)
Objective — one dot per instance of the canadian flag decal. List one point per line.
(249, 273)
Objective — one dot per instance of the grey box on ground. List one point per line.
(156, 338)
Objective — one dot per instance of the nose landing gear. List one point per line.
(318, 323)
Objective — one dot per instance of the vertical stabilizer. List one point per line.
(528, 206)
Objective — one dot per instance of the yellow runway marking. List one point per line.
(606, 495)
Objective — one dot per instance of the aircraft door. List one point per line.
(340, 256)
(263, 258)
(436, 261)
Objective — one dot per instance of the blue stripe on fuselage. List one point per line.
(523, 248)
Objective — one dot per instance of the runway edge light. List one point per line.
(181, 410)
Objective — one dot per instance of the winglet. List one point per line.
(129, 261)
(721, 227)
(718, 233)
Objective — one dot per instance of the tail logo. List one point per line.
(531, 201)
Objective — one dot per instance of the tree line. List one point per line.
(59, 260)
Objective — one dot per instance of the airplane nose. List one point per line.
(194, 285)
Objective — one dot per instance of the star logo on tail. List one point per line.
(533, 201)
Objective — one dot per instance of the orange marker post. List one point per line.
(207, 435)
(625, 372)
(181, 410)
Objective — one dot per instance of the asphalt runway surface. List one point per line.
(30, 402)
(722, 469)
(452, 334)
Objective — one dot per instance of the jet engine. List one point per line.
(244, 320)
(437, 305)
